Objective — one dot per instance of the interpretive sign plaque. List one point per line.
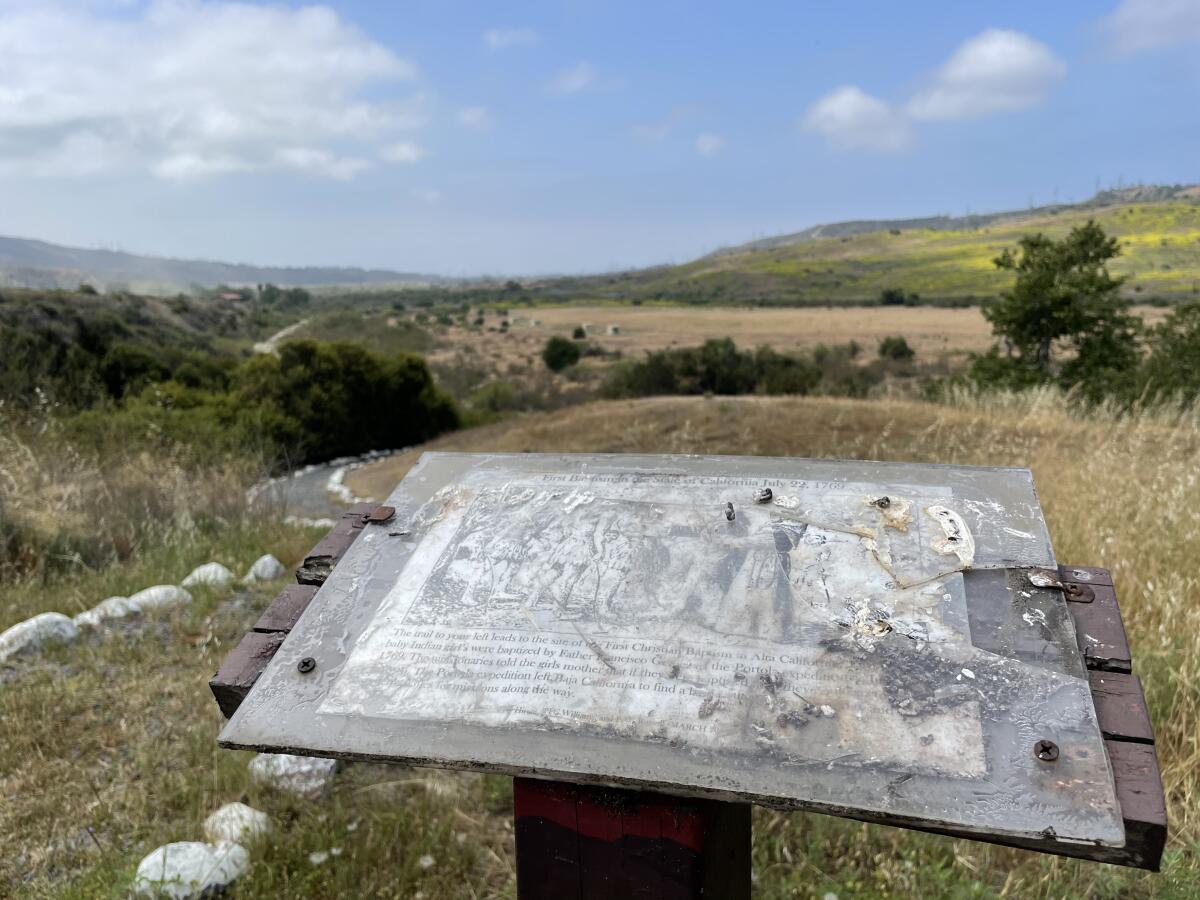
(875, 640)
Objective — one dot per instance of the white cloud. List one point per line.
(403, 152)
(848, 117)
(996, 71)
(579, 77)
(479, 117)
(708, 144)
(315, 161)
(183, 89)
(1138, 25)
(501, 38)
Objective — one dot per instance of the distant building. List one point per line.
(231, 295)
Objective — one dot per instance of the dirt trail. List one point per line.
(269, 345)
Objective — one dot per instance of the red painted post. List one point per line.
(577, 842)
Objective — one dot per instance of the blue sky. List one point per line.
(483, 138)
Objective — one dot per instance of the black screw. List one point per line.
(1046, 751)
(306, 665)
(729, 513)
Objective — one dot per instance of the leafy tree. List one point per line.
(896, 347)
(324, 400)
(559, 353)
(1064, 295)
(579, 334)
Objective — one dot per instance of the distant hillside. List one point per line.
(1141, 194)
(942, 258)
(37, 264)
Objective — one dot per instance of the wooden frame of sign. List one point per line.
(589, 841)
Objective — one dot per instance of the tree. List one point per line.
(321, 400)
(1063, 293)
(579, 334)
(559, 353)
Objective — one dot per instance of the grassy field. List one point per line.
(1160, 244)
(108, 746)
(465, 356)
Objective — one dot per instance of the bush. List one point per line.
(329, 400)
(896, 348)
(579, 334)
(716, 367)
(127, 368)
(898, 297)
(1172, 368)
(559, 353)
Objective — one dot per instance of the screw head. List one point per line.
(729, 513)
(1046, 751)
(306, 665)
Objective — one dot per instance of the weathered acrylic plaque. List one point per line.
(870, 639)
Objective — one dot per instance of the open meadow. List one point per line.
(109, 745)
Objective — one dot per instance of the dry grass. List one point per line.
(930, 331)
(108, 750)
(936, 334)
(66, 509)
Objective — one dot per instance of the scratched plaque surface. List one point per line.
(866, 640)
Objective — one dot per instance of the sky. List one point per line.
(479, 138)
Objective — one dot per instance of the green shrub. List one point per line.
(896, 348)
(898, 297)
(716, 367)
(559, 353)
(579, 334)
(1172, 368)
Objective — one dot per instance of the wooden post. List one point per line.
(578, 842)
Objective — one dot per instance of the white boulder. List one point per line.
(306, 776)
(188, 869)
(265, 568)
(211, 574)
(236, 823)
(109, 608)
(50, 627)
(159, 596)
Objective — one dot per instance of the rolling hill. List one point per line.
(38, 264)
(945, 259)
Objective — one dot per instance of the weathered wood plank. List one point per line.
(241, 669)
(330, 549)
(1100, 631)
(1121, 707)
(1086, 575)
(1143, 803)
(285, 610)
